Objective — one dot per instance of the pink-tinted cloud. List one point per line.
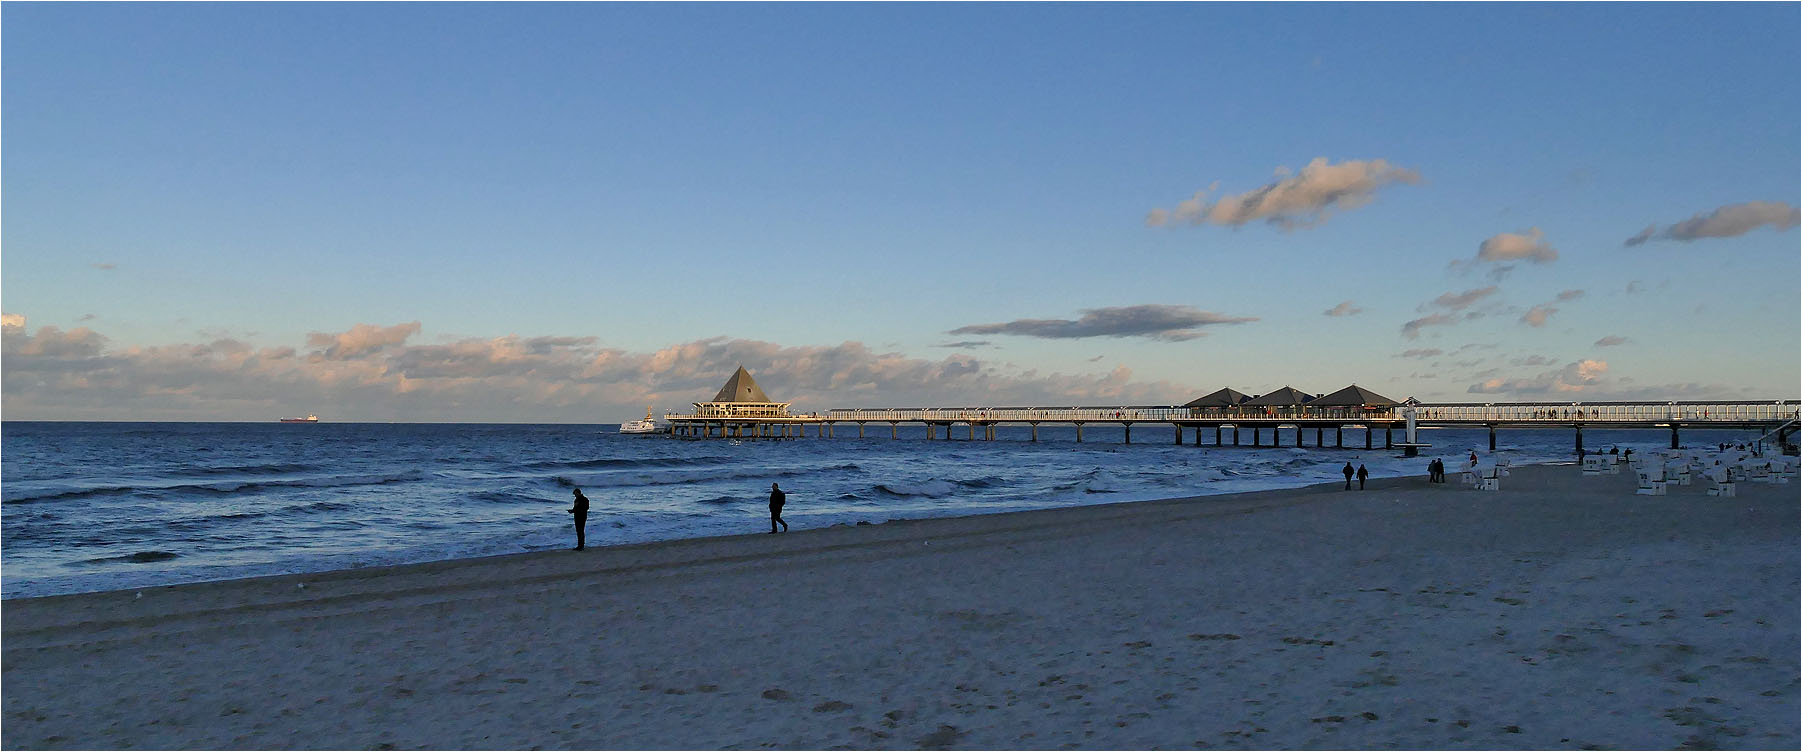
(374, 375)
(1345, 308)
(1292, 201)
(360, 340)
(1576, 377)
(1507, 247)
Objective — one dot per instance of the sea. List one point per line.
(114, 505)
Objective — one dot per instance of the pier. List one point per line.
(1284, 418)
(1261, 428)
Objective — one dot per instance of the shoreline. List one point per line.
(595, 520)
(1560, 612)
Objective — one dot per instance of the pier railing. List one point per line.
(1514, 413)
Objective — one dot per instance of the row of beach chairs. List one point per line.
(1486, 476)
(1657, 470)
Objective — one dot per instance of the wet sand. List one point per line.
(1561, 612)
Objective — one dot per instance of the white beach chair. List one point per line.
(1489, 479)
(1719, 485)
(1594, 465)
(1677, 472)
(1652, 482)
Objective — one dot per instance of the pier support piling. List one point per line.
(1493, 437)
(1236, 436)
(1339, 436)
(1079, 431)
(860, 429)
(1033, 428)
(1580, 437)
(1217, 436)
(1387, 443)
(1674, 436)
(1128, 428)
(1367, 437)
(1179, 428)
(1298, 436)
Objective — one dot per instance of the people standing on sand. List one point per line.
(1348, 471)
(1438, 471)
(1362, 475)
(581, 512)
(777, 498)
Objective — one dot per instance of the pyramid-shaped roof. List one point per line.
(741, 388)
(1225, 396)
(1353, 395)
(1285, 396)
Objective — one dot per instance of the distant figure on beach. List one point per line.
(1474, 458)
(1362, 475)
(777, 498)
(1436, 471)
(1580, 454)
(581, 513)
(1348, 471)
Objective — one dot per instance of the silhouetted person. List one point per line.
(581, 512)
(1348, 471)
(777, 498)
(1439, 471)
(1580, 454)
(1362, 475)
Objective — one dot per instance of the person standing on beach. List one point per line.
(1362, 475)
(1348, 471)
(581, 513)
(777, 498)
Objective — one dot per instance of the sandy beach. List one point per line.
(1562, 612)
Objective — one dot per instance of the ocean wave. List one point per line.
(222, 487)
(267, 468)
(928, 488)
(722, 500)
(627, 462)
(134, 557)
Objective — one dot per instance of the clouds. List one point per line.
(1723, 222)
(1344, 309)
(1152, 321)
(360, 340)
(1611, 341)
(1530, 246)
(1537, 315)
(371, 373)
(1292, 201)
(1575, 377)
(1460, 301)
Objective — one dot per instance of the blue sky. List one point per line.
(566, 211)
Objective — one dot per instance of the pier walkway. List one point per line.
(1282, 423)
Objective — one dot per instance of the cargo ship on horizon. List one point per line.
(310, 419)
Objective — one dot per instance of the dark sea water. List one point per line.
(96, 506)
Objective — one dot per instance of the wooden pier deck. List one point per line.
(1280, 423)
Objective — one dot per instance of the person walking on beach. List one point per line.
(1362, 474)
(1348, 471)
(1436, 471)
(580, 510)
(777, 498)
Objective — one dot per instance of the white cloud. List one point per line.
(1412, 329)
(1723, 222)
(1292, 201)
